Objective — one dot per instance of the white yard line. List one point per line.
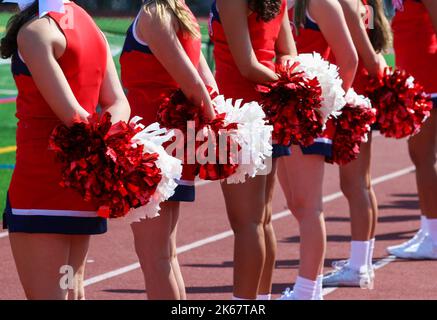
(228, 234)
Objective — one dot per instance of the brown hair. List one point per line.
(300, 9)
(184, 17)
(266, 10)
(381, 35)
(8, 44)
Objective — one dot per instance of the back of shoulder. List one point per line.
(38, 32)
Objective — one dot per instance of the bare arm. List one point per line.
(206, 73)
(431, 5)
(233, 15)
(371, 60)
(330, 18)
(112, 97)
(161, 36)
(285, 45)
(39, 43)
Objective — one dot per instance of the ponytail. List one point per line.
(300, 9)
(8, 44)
(381, 35)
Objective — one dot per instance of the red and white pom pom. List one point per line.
(401, 103)
(100, 162)
(176, 111)
(152, 139)
(327, 74)
(252, 135)
(352, 128)
(292, 105)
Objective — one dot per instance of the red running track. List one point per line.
(206, 244)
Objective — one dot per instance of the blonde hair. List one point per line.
(182, 14)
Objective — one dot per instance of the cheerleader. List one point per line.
(162, 53)
(355, 177)
(248, 36)
(63, 69)
(415, 44)
(320, 26)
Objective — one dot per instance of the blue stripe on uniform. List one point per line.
(184, 194)
(52, 225)
(320, 148)
(280, 151)
(19, 67)
(130, 44)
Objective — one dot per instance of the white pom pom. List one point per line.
(331, 83)
(355, 99)
(253, 136)
(152, 138)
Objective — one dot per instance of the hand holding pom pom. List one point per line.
(402, 105)
(292, 105)
(101, 162)
(352, 128)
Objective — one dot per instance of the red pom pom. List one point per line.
(224, 164)
(177, 110)
(401, 103)
(352, 127)
(99, 161)
(292, 105)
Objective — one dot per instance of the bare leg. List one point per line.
(77, 260)
(245, 205)
(356, 185)
(39, 258)
(301, 178)
(153, 246)
(174, 258)
(422, 149)
(270, 237)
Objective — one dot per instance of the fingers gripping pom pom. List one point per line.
(352, 128)
(253, 135)
(401, 103)
(101, 162)
(293, 106)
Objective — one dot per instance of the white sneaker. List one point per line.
(337, 265)
(424, 250)
(398, 249)
(348, 277)
(287, 295)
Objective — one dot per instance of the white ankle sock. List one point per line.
(264, 297)
(359, 255)
(319, 288)
(304, 289)
(424, 224)
(371, 250)
(432, 229)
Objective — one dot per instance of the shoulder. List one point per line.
(37, 33)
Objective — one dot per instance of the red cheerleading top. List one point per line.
(34, 188)
(145, 78)
(309, 37)
(415, 44)
(263, 36)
